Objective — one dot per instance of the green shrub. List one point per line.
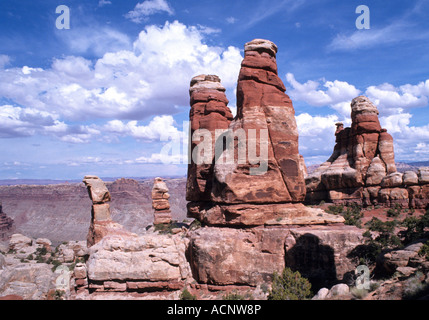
(394, 212)
(237, 296)
(415, 227)
(186, 295)
(289, 285)
(414, 287)
(335, 209)
(424, 250)
(352, 213)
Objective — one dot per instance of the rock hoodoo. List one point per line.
(362, 167)
(160, 204)
(101, 221)
(263, 181)
(255, 221)
(209, 111)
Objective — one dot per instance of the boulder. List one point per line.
(97, 190)
(252, 255)
(340, 289)
(19, 241)
(29, 281)
(410, 178)
(423, 175)
(394, 179)
(144, 259)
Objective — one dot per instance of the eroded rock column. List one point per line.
(160, 203)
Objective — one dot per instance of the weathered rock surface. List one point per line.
(209, 111)
(364, 159)
(147, 262)
(29, 281)
(101, 222)
(160, 203)
(233, 188)
(407, 257)
(226, 256)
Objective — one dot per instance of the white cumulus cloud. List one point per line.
(146, 8)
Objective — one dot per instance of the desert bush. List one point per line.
(424, 251)
(352, 213)
(237, 296)
(386, 238)
(186, 295)
(414, 287)
(415, 227)
(289, 285)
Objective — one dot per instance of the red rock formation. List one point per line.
(263, 105)
(209, 111)
(101, 222)
(362, 167)
(248, 190)
(160, 204)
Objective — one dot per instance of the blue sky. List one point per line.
(107, 95)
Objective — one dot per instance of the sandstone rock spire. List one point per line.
(101, 221)
(263, 106)
(160, 203)
(362, 167)
(209, 111)
(234, 189)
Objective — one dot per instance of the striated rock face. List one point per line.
(101, 222)
(209, 111)
(144, 263)
(362, 167)
(257, 172)
(264, 108)
(6, 225)
(160, 202)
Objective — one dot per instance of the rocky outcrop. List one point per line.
(6, 225)
(255, 221)
(151, 262)
(160, 204)
(251, 256)
(209, 111)
(237, 187)
(101, 222)
(362, 167)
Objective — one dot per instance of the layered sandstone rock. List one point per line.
(144, 263)
(257, 172)
(6, 225)
(362, 167)
(251, 256)
(209, 111)
(160, 203)
(101, 222)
